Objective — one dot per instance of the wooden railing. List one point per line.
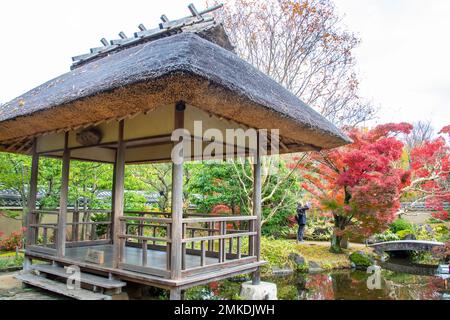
(133, 235)
(43, 235)
(84, 231)
(207, 243)
(218, 242)
(81, 230)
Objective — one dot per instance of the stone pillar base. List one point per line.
(262, 291)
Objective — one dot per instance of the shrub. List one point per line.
(399, 225)
(441, 215)
(388, 235)
(14, 240)
(361, 259)
(221, 209)
(403, 233)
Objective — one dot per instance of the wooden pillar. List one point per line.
(176, 294)
(177, 205)
(62, 217)
(118, 197)
(113, 204)
(257, 209)
(32, 197)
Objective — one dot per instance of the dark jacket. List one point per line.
(301, 215)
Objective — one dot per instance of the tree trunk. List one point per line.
(337, 240)
(336, 244)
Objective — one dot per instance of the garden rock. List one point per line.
(297, 259)
(276, 271)
(410, 237)
(314, 267)
(261, 291)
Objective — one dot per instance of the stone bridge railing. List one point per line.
(406, 245)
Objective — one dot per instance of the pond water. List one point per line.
(386, 283)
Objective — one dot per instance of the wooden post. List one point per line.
(257, 209)
(113, 205)
(61, 238)
(175, 294)
(177, 205)
(118, 197)
(203, 254)
(32, 197)
(75, 224)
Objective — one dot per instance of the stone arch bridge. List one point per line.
(406, 245)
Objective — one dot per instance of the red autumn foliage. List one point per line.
(14, 240)
(221, 209)
(430, 171)
(360, 183)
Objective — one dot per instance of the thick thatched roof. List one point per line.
(185, 67)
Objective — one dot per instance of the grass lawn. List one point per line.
(9, 260)
(277, 251)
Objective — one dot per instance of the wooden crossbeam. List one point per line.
(194, 11)
(164, 18)
(104, 42)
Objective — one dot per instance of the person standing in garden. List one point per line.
(301, 220)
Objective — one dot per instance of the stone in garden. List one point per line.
(262, 291)
(314, 267)
(297, 259)
(410, 237)
(277, 271)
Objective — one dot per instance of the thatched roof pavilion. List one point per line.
(120, 104)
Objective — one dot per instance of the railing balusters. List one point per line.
(250, 239)
(210, 233)
(203, 254)
(238, 247)
(168, 248)
(221, 243)
(123, 227)
(183, 256)
(224, 232)
(154, 234)
(192, 236)
(44, 236)
(144, 253)
(140, 230)
(93, 232)
(75, 220)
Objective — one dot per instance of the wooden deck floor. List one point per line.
(155, 259)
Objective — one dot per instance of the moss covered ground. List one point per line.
(277, 253)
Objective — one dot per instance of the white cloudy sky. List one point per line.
(403, 61)
(404, 57)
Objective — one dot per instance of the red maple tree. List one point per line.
(430, 172)
(360, 184)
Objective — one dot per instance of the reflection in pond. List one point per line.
(379, 284)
